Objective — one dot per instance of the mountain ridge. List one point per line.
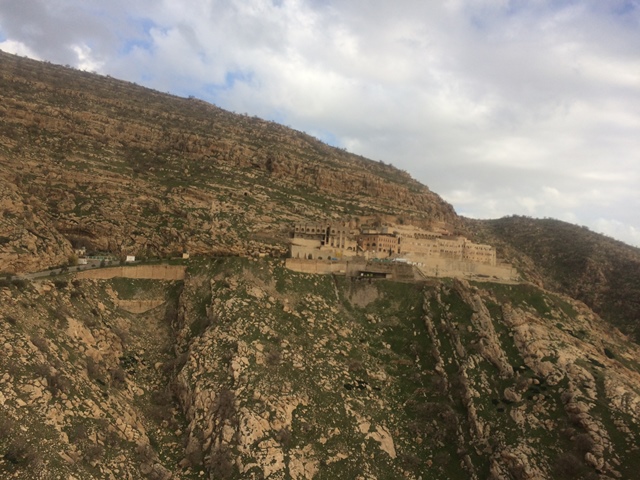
(235, 367)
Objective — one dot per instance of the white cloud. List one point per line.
(616, 229)
(18, 48)
(85, 60)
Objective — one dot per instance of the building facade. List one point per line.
(337, 240)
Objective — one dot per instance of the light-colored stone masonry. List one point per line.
(151, 272)
(335, 248)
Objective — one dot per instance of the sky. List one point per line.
(527, 107)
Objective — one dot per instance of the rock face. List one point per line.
(75, 370)
(28, 241)
(115, 167)
(245, 369)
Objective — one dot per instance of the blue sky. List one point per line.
(502, 107)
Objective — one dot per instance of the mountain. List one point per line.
(229, 365)
(116, 167)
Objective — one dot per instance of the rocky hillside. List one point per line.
(247, 370)
(601, 272)
(237, 368)
(121, 168)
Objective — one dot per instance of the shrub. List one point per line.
(568, 466)
(121, 334)
(161, 398)
(118, 377)
(442, 458)
(111, 438)
(273, 356)
(78, 433)
(20, 453)
(94, 369)
(20, 283)
(584, 443)
(72, 259)
(221, 465)
(409, 461)
(7, 427)
(160, 414)
(355, 366)
(57, 384)
(284, 437)
(89, 322)
(93, 453)
(41, 370)
(224, 406)
(40, 343)
(175, 364)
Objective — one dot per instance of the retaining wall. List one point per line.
(151, 272)
(430, 268)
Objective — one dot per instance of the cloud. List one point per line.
(18, 48)
(501, 106)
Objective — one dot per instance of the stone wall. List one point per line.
(316, 266)
(138, 306)
(151, 272)
(439, 267)
(433, 268)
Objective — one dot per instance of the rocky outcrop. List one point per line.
(28, 240)
(245, 369)
(551, 379)
(74, 375)
(250, 370)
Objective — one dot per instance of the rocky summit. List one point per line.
(184, 348)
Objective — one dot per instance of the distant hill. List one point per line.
(600, 271)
